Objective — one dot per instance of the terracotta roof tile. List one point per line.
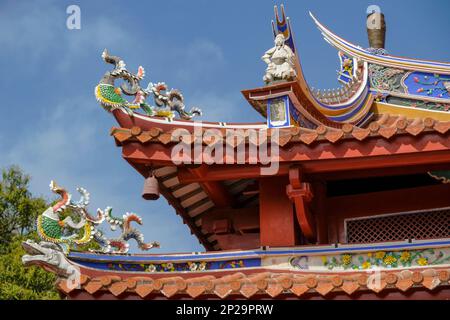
(64, 287)
(374, 126)
(376, 285)
(404, 284)
(144, 290)
(107, 280)
(349, 286)
(249, 289)
(263, 283)
(284, 139)
(154, 132)
(337, 281)
(308, 138)
(386, 126)
(117, 288)
(83, 279)
(442, 127)
(197, 288)
(391, 278)
(273, 288)
(222, 290)
(415, 129)
(362, 279)
(429, 122)
(417, 277)
(387, 132)
(430, 282)
(93, 286)
(324, 287)
(360, 134)
(286, 282)
(334, 136)
(144, 137)
(299, 289)
(169, 289)
(347, 128)
(444, 275)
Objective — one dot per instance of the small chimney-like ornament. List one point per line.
(376, 27)
(151, 188)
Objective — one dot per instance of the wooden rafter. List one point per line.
(214, 189)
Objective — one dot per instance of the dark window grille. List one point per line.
(430, 224)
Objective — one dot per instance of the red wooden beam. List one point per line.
(323, 152)
(300, 193)
(227, 172)
(334, 169)
(215, 190)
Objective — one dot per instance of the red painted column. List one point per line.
(276, 213)
(319, 205)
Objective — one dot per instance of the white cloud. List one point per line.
(199, 60)
(102, 33)
(216, 107)
(54, 139)
(32, 31)
(29, 30)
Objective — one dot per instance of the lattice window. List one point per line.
(429, 224)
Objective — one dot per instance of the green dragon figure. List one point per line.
(53, 227)
(110, 97)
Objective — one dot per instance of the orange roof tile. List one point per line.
(264, 283)
(385, 127)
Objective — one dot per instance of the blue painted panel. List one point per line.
(250, 254)
(299, 119)
(346, 72)
(278, 115)
(427, 84)
(172, 266)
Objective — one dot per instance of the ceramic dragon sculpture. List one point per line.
(48, 255)
(120, 244)
(110, 97)
(54, 226)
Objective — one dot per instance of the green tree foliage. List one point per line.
(18, 208)
(18, 212)
(18, 282)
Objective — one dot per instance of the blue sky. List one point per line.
(53, 128)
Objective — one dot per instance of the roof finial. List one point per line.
(376, 27)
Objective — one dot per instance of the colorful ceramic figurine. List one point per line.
(57, 225)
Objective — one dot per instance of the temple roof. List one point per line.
(381, 59)
(385, 127)
(391, 140)
(391, 117)
(368, 77)
(266, 284)
(390, 112)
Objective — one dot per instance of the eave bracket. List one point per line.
(300, 194)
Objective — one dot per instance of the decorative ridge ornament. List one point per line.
(280, 62)
(376, 29)
(110, 97)
(283, 26)
(55, 226)
(48, 255)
